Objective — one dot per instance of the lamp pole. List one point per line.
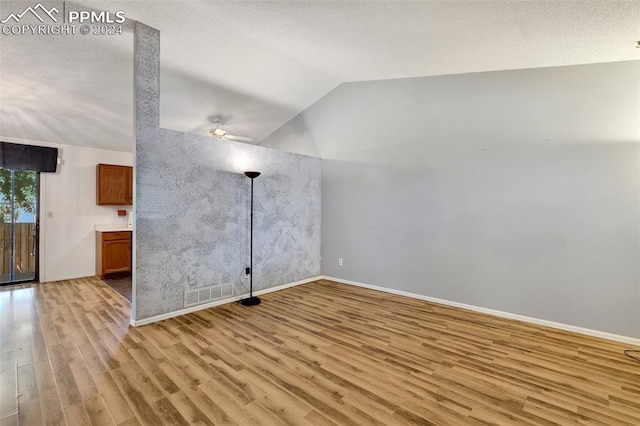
(251, 300)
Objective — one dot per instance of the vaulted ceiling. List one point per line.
(260, 63)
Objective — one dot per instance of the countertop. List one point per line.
(112, 228)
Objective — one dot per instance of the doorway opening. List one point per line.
(19, 201)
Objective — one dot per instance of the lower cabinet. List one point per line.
(113, 252)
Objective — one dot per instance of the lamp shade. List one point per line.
(252, 175)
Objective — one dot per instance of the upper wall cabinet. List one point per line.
(114, 185)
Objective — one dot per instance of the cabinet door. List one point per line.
(114, 184)
(129, 186)
(116, 256)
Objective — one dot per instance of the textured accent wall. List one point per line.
(192, 206)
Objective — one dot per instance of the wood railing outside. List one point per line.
(24, 249)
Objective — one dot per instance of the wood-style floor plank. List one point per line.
(317, 354)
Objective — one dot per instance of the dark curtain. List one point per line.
(16, 156)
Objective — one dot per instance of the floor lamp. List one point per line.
(251, 300)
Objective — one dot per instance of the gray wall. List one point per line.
(514, 190)
(192, 206)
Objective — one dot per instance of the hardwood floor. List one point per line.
(321, 353)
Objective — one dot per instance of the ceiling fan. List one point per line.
(221, 134)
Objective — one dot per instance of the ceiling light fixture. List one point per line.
(221, 134)
(217, 132)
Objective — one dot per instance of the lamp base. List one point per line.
(250, 301)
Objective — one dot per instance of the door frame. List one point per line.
(36, 239)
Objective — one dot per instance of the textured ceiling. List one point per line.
(260, 63)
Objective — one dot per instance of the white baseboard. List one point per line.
(50, 280)
(552, 324)
(191, 309)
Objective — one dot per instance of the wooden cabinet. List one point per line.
(113, 252)
(114, 185)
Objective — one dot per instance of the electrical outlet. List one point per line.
(49, 215)
(339, 261)
(192, 279)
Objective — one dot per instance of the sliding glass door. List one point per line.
(19, 234)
